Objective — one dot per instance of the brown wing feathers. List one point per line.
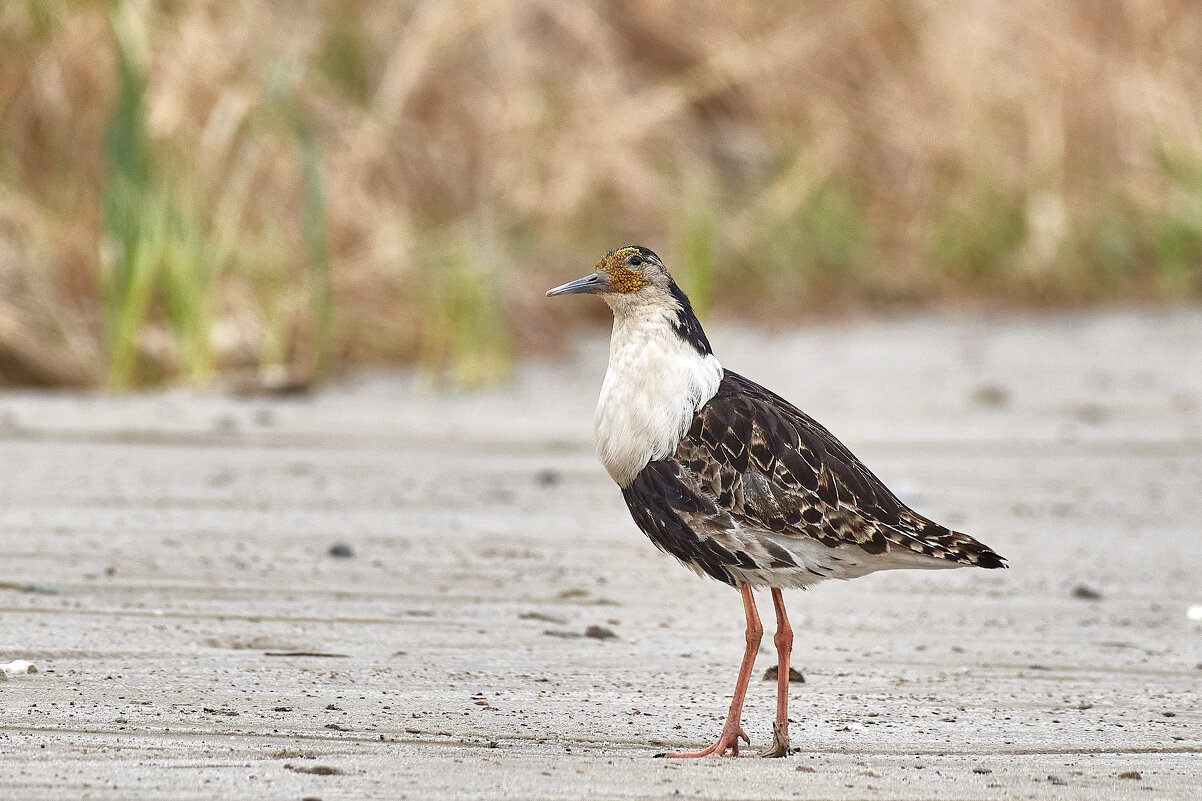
(751, 459)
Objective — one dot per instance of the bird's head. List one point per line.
(636, 285)
(626, 274)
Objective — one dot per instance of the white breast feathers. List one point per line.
(655, 383)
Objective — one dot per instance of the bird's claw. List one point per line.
(780, 743)
(728, 741)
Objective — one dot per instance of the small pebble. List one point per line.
(316, 770)
(559, 621)
(341, 551)
(795, 675)
(991, 395)
(18, 666)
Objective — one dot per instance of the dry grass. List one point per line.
(359, 180)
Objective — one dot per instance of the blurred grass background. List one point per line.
(192, 189)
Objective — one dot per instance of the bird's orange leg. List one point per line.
(731, 730)
(784, 645)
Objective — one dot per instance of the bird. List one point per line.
(734, 481)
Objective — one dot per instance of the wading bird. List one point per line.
(733, 480)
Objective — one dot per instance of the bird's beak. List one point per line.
(581, 286)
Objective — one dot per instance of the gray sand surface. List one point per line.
(196, 638)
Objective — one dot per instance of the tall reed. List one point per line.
(784, 158)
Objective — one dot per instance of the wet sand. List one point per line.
(166, 564)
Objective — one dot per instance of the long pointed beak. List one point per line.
(581, 286)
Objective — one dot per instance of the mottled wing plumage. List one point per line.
(758, 491)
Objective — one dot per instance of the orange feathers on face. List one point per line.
(621, 277)
(627, 280)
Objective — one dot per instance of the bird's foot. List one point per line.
(780, 743)
(728, 741)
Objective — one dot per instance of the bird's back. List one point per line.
(758, 491)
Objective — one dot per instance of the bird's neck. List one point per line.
(661, 371)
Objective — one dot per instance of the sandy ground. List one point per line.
(167, 567)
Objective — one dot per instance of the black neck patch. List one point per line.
(687, 324)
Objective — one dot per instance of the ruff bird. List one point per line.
(733, 480)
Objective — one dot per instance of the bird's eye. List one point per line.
(635, 260)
